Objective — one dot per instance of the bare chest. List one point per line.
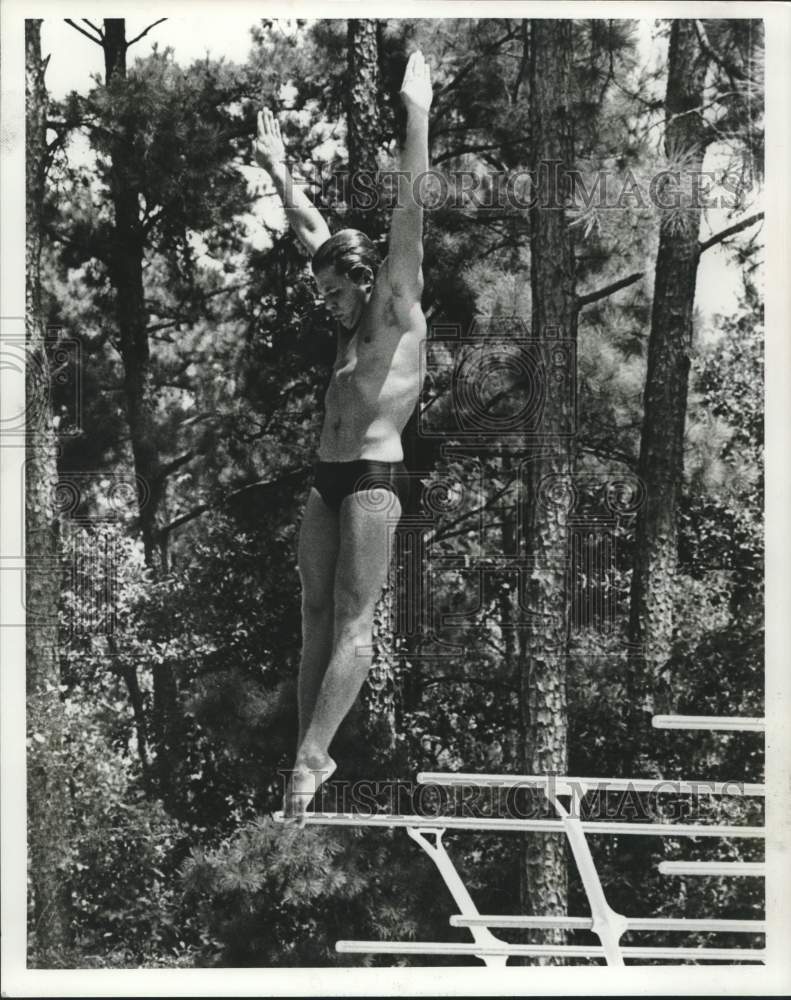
(373, 350)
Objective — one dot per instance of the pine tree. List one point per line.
(670, 346)
(47, 790)
(552, 282)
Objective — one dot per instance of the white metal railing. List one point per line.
(740, 869)
(606, 923)
(687, 925)
(436, 851)
(536, 950)
(727, 723)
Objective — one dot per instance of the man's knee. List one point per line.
(353, 612)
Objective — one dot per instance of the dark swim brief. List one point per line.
(336, 480)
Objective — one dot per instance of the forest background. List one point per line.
(186, 351)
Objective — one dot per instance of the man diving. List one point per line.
(345, 541)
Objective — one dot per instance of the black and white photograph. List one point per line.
(394, 448)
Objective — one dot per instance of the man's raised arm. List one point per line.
(405, 250)
(302, 214)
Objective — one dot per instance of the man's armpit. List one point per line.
(407, 290)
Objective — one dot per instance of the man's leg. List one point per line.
(317, 556)
(366, 540)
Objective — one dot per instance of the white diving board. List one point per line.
(687, 925)
(609, 925)
(739, 869)
(510, 824)
(726, 723)
(505, 950)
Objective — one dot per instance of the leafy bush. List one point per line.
(274, 895)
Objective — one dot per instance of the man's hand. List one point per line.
(269, 149)
(416, 90)
(270, 153)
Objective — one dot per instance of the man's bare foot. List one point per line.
(303, 783)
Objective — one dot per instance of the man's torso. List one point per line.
(375, 381)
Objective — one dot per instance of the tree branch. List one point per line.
(475, 61)
(255, 489)
(602, 293)
(190, 516)
(607, 453)
(197, 418)
(183, 310)
(730, 231)
(523, 62)
(440, 535)
(203, 508)
(651, 105)
(167, 383)
(95, 27)
(170, 468)
(734, 72)
(82, 31)
(611, 71)
(156, 327)
(461, 150)
(145, 32)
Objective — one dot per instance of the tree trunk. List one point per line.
(128, 670)
(661, 463)
(47, 794)
(552, 278)
(364, 131)
(364, 119)
(126, 270)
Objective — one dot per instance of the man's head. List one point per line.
(345, 267)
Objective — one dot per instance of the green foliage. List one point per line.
(721, 522)
(277, 896)
(122, 881)
(717, 664)
(219, 625)
(263, 893)
(123, 849)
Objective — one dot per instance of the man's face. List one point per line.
(344, 298)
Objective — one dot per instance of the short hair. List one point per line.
(347, 250)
